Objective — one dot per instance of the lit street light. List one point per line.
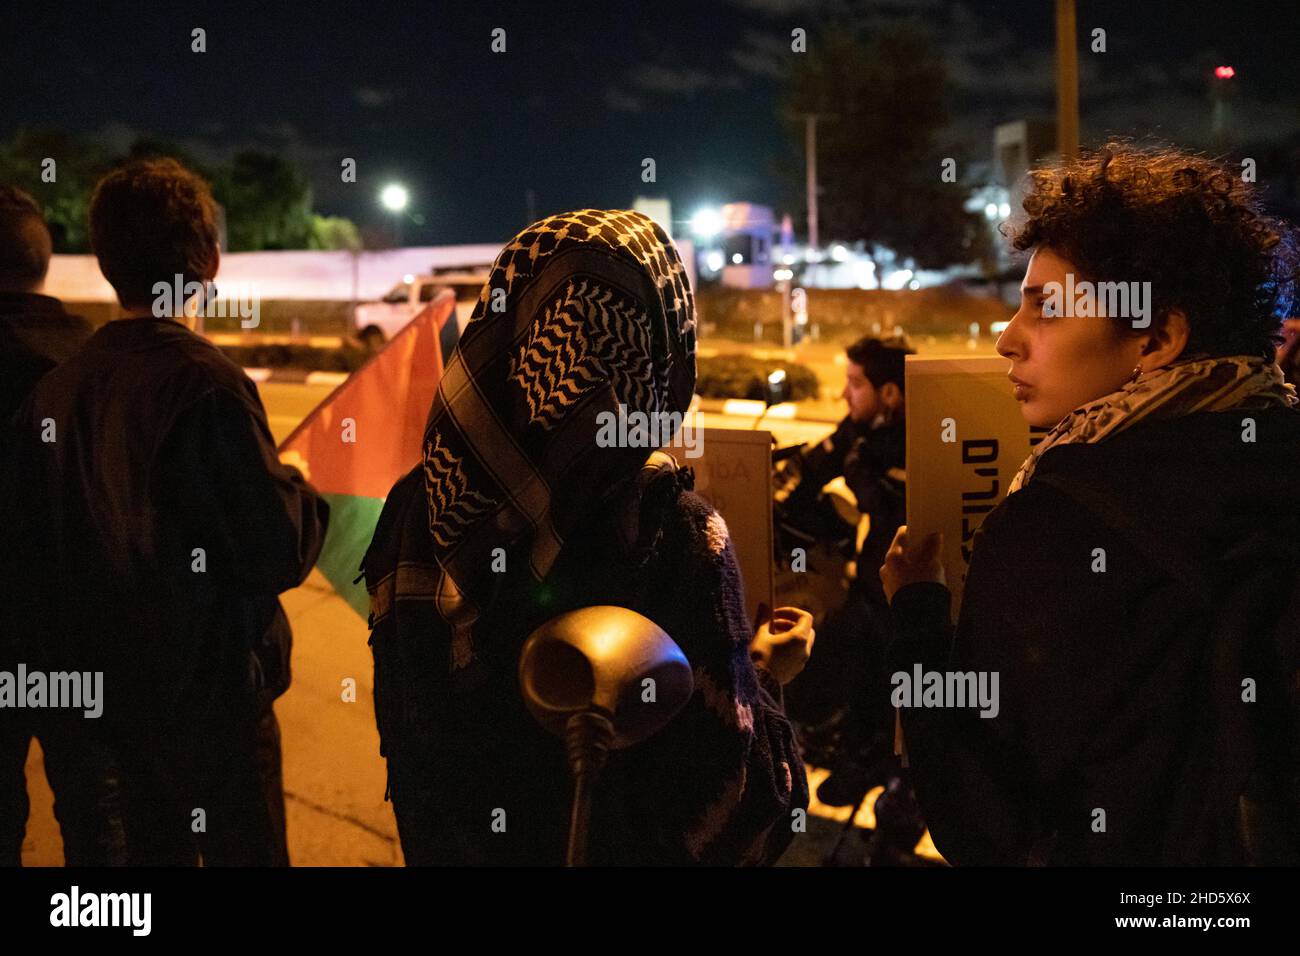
(394, 198)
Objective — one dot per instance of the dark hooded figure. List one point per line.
(518, 514)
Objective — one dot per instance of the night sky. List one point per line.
(586, 90)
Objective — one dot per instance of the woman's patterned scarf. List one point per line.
(1193, 385)
(583, 312)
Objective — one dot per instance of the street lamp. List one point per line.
(394, 198)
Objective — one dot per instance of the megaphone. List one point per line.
(602, 678)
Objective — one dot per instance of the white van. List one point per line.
(377, 322)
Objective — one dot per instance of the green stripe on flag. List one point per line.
(353, 519)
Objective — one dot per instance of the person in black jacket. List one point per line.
(36, 333)
(838, 696)
(867, 449)
(1134, 595)
(170, 529)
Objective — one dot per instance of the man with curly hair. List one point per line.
(1138, 590)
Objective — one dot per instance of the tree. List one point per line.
(267, 201)
(882, 89)
(334, 232)
(77, 165)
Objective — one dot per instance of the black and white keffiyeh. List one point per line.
(1195, 384)
(583, 312)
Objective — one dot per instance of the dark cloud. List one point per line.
(621, 102)
(764, 54)
(375, 96)
(682, 81)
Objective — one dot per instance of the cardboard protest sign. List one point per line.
(735, 476)
(966, 439)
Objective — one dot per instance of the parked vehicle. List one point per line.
(377, 322)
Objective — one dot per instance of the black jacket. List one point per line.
(36, 334)
(167, 524)
(1120, 690)
(871, 460)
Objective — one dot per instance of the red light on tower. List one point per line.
(1224, 72)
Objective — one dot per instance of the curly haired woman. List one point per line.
(1138, 590)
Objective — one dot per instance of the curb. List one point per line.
(751, 408)
(739, 407)
(295, 376)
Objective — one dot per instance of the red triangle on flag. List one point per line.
(369, 431)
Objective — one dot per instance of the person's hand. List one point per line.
(783, 641)
(1290, 340)
(908, 562)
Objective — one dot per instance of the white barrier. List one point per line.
(293, 274)
(341, 276)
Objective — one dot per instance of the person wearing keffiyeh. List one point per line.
(515, 515)
(1137, 592)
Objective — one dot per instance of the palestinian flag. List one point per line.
(368, 433)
